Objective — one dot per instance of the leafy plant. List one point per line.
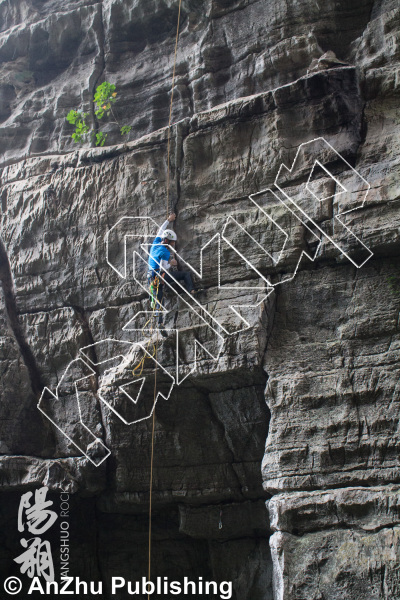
(104, 98)
(100, 138)
(78, 118)
(125, 129)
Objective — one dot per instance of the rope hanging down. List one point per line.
(156, 306)
(151, 462)
(170, 106)
(156, 349)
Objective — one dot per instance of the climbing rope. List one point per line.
(151, 463)
(170, 106)
(156, 345)
(154, 285)
(155, 305)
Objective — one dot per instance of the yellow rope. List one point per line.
(151, 464)
(142, 361)
(170, 106)
(155, 374)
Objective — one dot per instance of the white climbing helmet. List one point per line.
(170, 235)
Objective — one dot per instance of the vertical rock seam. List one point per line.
(98, 71)
(12, 314)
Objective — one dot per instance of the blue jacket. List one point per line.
(159, 252)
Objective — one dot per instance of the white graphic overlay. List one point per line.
(319, 196)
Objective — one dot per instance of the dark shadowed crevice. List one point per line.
(17, 329)
(91, 352)
(99, 67)
(98, 549)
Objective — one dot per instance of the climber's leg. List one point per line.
(184, 276)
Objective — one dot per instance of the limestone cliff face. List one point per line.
(291, 437)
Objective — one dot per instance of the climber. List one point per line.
(160, 262)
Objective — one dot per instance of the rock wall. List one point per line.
(301, 410)
(52, 57)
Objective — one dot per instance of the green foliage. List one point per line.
(104, 98)
(100, 138)
(78, 119)
(75, 116)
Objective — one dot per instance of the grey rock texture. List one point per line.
(302, 409)
(345, 539)
(53, 57)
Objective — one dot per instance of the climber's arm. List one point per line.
(164, 226)
(165, 264)
(161, 231)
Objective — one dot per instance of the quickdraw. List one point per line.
(154, 285)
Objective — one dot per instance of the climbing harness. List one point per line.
(155, 283)
(153, 292)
